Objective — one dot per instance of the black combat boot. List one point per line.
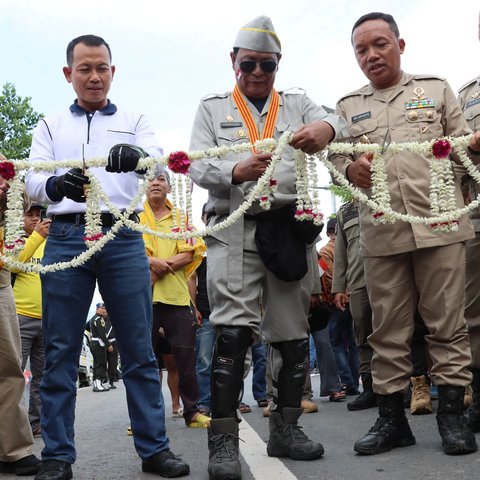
(367, 399)
(472, 415)
(457, 438)
(223, 463)
(288, 440)
(390, 430)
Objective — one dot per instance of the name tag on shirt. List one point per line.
(231, 124)
(471, 103)
(361, 116)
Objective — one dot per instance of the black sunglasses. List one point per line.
(248, 66)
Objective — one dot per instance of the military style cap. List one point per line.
(258, 35)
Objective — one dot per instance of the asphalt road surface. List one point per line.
(104, 451)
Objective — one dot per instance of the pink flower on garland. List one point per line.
(377, 215)
(7, 170)
(441, 148)
(93, 238)
(179, 162)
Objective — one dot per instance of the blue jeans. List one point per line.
(344, 347)
(259, 379)
(205, 342)
(312, 353)
(121, 270)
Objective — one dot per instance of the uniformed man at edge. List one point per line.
(237, 276)
(469, 97)
(408, 263)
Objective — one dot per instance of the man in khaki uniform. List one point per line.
(469, 97)
(16, 440)
(237, 276)
(348, 276)
(408, 263)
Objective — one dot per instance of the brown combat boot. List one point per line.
(421, 402)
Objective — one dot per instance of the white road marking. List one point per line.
(254, 452)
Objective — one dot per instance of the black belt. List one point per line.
(107, 219)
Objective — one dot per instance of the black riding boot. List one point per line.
(367, 399)
(286, 436)
(228, 361)
(457, 438)
(390, 430)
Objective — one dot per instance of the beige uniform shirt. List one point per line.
(218, 122)
(418, 109)
(348, 271)
(469, 97)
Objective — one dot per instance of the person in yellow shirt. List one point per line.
(171, 264)
(27, 290)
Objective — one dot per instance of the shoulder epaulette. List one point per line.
(210, 96)
(425, 76)
(293, 91)
(360, 91)
(473, 80)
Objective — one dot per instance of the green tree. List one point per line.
(17, 120)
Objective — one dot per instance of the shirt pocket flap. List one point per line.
(363, 128)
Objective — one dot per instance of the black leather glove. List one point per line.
(71, 184)
(124, 158)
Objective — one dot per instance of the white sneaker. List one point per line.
(98, 387)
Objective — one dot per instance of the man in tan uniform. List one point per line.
(16, 440)
(408, 263)
(237, 276)
(348, 277)
(469, 97)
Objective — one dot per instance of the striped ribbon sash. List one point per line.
(247, 117)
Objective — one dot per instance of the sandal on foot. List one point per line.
(199, 421)
(337, 396)
(244, 408)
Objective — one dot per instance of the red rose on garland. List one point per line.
(179, 162)
(441, 148)
(7, 170)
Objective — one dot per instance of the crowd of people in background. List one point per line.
(378, 311)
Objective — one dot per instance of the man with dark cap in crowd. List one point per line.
(237, 276)
(99, 346)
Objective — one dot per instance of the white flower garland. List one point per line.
(442, 193)
(459, 146)
(443, 210)
(380, 192)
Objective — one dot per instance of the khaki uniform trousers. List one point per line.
(436, 276)
(362, 321)
(472, 297)
(16, 438)
(285, 304)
